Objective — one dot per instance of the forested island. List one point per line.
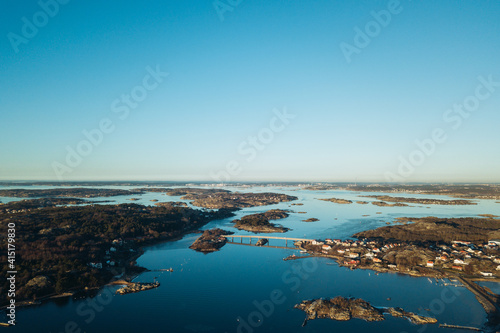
(260, 222)
(216, 199)
(78, 192)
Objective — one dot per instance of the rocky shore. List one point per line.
(137, 287)
(343, 309)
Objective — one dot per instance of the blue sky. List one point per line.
(354, 118)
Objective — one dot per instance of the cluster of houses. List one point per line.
(455, 256)
(110, 254)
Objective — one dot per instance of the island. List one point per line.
(338, 201)
(62, 249)
(79, 192)
(343, 309)
(259, 223)
(217, 199)
(312, 219)
(210, 241)
(466, 191)
(385, 204)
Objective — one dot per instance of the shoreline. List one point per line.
(123, 279)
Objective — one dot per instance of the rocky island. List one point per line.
(210, 241)
(385, 204)
(312, 219)
(343, 309)
(338, 201)
(259, 223)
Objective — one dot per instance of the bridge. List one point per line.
(250, 237)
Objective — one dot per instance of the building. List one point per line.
(430, 263)
(494, 242)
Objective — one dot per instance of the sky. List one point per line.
(250, 90)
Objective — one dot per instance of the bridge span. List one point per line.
(231, 239)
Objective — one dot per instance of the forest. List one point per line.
(55, 245)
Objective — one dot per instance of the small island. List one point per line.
(338, 201)
(211, 240)
(343, 309)
(385, 204)
(259, 223)
(313, 219)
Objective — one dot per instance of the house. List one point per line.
(430, 263)
(341, 251)
(458, 261)
(486, 273)
(458, 268)
(326, 247)
(377, 260)
(317, 242)
(369, 255)
(494, 242)
(353, 255)
(392, 266)
(498, 268)
(496, 260)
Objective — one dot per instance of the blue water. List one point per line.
(250, 289)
